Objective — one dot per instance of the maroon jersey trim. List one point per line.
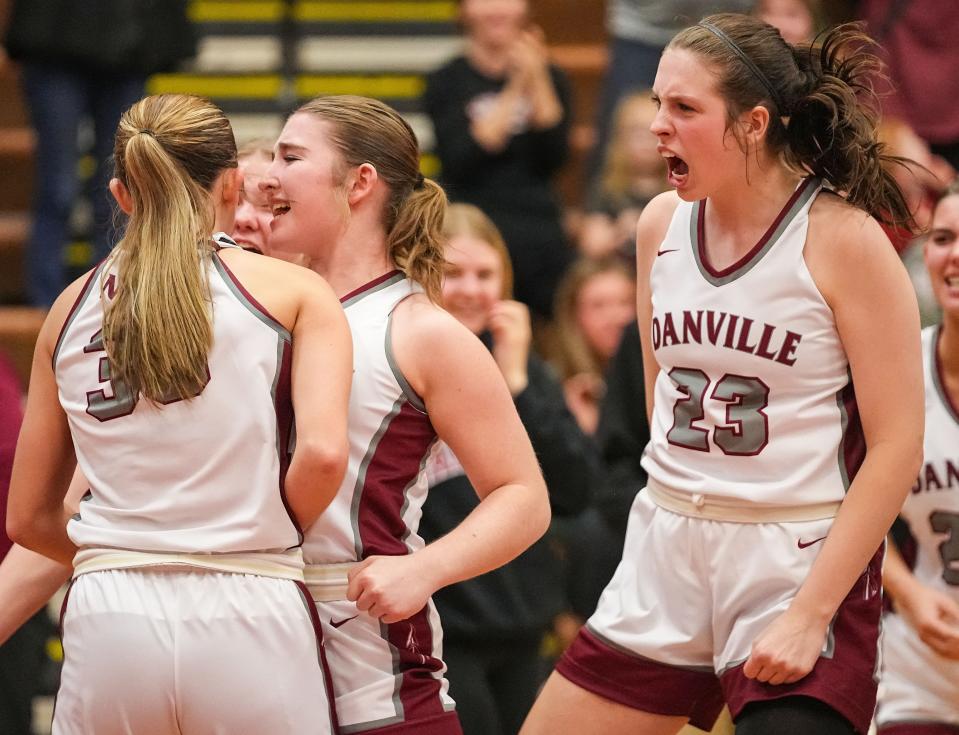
(246, 298)
(722, 276)
(852, 444)
(387, 279)
(81, 297)
(282, 394)
(381, 501)
(937, 380)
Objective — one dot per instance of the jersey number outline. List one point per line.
(122, 403)
(944, 522)
(746, 431)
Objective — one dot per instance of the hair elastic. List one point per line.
(774, 95)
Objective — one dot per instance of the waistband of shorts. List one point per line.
(328, 582)
(730, 510)
(280, 564)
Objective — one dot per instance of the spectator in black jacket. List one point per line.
(84, 60)
(493, 625)
(501, 114)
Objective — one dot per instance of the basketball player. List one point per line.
(251, 227)
(920, 656)
(347, 192)
(169, 369)
(781, 350)
(28, 580)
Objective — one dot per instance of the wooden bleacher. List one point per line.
(258, 59)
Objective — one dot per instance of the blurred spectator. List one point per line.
(493, 625)
(639, 31)
(501, 115)
(918, 42)
(594, 540)
(921, 185)
(22, 656)
(595, 302)
(80, 59)
(633, 173)
(797, 20)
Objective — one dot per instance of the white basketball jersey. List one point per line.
(754, 400)
(201, 476)
(932, 508)
(378, 507)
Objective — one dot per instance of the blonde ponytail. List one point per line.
(158, 330)
(415, 242)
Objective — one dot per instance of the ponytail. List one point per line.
(832, 126)
(822, 108)
(415, 241)
(158, 330)
(365, 130)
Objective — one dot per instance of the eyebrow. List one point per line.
(673, 97)
(290, 146)
(942, 231)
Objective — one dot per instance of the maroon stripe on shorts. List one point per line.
(918, 728)
(320, 650)
(447, 723)
(393, 467)
(846, 681)
(420, 689)
(641, 683)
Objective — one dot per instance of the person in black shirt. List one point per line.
(501, 114)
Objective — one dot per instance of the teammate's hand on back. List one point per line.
(391, 588)
(787, 649)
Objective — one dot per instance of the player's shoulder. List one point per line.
(65, 304)
(654, 223)
(430, 333)
(287, 275)
(842, 227)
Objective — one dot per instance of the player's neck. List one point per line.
(358, 257)
(751, 203)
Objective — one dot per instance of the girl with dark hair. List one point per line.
(346, 191)
(920, 643)
(781, 353)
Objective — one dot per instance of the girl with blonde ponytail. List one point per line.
(347, 192)
(167, 375)
(784, 389)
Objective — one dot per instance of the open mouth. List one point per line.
(279, 209)
(677, 170)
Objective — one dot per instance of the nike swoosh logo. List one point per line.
(663, 252)
(338, 623)
(803, 544)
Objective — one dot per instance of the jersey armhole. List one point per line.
(414, 398)
(92, 280)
